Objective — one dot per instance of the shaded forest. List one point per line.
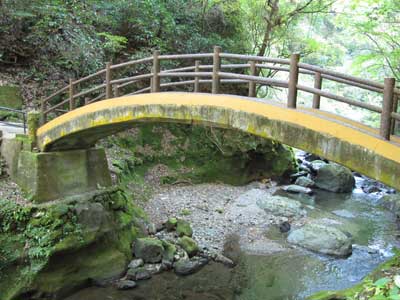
(44, 43)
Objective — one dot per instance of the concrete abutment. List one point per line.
(47, 176)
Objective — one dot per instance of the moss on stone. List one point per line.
(55, 248)
(200, 154)
(189, 245)
(50, 176)
(183, 228)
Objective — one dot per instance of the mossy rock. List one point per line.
(149, 249)
(67, 247)
(183, 228)
(189, 245)
(171, 224)
(169, 251)
(197, 154)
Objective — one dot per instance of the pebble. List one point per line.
(126, 284)
(136, 263)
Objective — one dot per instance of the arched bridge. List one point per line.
(373, 152)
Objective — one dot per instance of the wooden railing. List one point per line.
(216, 74)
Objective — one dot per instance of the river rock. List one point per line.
(149, 249)
(219, 258)
(166, 265)
(126, 284)
(334, 178)
(297, 189)
(151, 229)
(284, 227)
(391, 202)
(171, 224)
(305, 182)
(189, 245)
(153, 268)
(281, 206)
(169, 251)
(298, 174)
(140, 273)
(322, 239)
(189, 266)
(317, 164)
(136, 263)
(183, 228)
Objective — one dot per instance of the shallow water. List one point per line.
(289, 275)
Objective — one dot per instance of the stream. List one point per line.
(291, 274)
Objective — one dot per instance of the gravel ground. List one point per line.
(10, 190)
(216, 211)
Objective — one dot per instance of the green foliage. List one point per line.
(13, 216)
(385, 288)
(113, 43)
(372, 34)
(40, 229)
(77, 37)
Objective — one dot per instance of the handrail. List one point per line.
(223, 73)
(17, 111)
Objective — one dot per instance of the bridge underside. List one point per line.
(349, 144)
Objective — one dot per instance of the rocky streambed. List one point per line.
(259, 241)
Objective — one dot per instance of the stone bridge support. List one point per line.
(47, 176)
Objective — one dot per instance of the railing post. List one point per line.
(71, 95)
(197, 78)
(395, 105)
(33, 120)
(318, 85)
(252, 84)
(116, 91)
(216, 69)
(387, 108)
(293, 80)
(155, 87)
(108, 81)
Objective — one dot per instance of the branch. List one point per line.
(382, 53)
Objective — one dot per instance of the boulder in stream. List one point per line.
(189, 266)
(305, 182)
(148, 249)
(136, 263)
(322, 239)
(317, 164)
(391, 202)
(281, 206)
(140, 273)
(297, 189)
(189, 245)
(183, 228)
(125, 284)
(334, 178)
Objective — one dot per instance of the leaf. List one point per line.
(378, 297)
(394, 297)
(397, 280)
(382, 282)
(394, 290)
